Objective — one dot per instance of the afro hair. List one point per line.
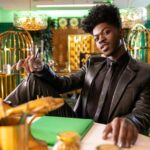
(104, 13)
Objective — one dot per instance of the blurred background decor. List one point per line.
(77, 44)
(139, 43)
(132, 16)
(61, 37)
(15, 44)
(30, 21)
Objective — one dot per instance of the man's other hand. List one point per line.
(30, 64)
(124, 133)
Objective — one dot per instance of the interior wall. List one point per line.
(8, 16)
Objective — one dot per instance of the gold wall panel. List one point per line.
(78, 44)
(60, 47)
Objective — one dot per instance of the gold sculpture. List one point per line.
(138, 43)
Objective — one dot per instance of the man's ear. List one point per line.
(121, 33)
(122, 41)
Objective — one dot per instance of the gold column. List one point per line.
(7, 84)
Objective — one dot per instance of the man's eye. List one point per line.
(96, 39)
(106, 32)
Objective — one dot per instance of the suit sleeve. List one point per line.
(63, 83)
(140, 114)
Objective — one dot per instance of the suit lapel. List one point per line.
(91, 74)
(128, 75)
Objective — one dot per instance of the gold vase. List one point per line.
(16, 136)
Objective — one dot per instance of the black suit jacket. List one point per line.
(131, 97)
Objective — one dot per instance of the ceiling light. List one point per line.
(66, 5)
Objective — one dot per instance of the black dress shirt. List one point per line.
(97, 84)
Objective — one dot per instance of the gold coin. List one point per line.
(107, 147)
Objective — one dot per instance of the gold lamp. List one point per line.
(30, 21)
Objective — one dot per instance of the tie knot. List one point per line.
(111, 64)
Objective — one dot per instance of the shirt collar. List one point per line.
(123, 59)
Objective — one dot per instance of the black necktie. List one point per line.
(104, 91)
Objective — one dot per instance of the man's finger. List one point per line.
(26, 65)
(135, 136)
(20, 64)
(31, 62)
(130, 136)
(115, 131)
(123, 133)
(107, 130)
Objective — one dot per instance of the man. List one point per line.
(123, 103)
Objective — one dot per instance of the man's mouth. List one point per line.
(104, 47)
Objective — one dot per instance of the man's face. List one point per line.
(107, 38)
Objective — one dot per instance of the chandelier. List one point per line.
(30, 21)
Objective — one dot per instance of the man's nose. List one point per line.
(101, 39)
